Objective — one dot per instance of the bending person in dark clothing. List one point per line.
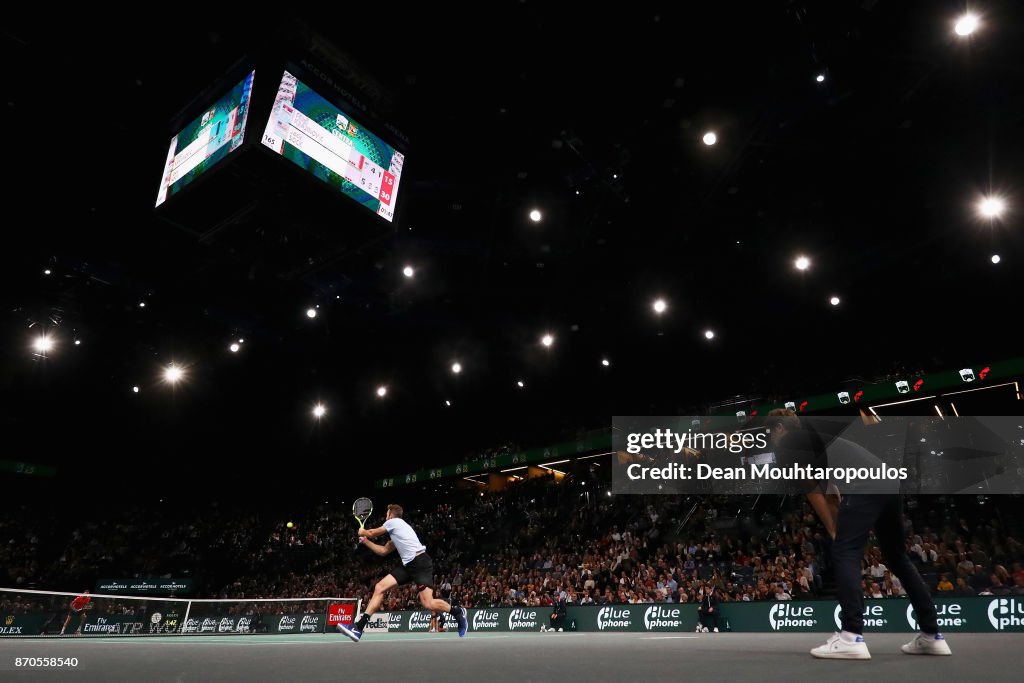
(852, 516)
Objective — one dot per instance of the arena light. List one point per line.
(820, 78)
(871, 409)
(43, 344)
(710, 138)
(535, 215)
(554, 462)
(605, 362)
(1015, 385)
(991, 207)
(319, 410)
(520, 384)
(173, 373)
(382, 391)
(834, 301)
(456, 367)
(408, 271)
(709, 334)
(659, 306)
(46, 272)
(966, 25)
(135, 390)
(142, 304)
(595, 455)
(996, 259)
(448, 403)
(310, 313)
(802, 263)
(234, 348)
(547, 340)
(515, 469)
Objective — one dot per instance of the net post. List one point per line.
(184, 622)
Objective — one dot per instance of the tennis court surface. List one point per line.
(517, 657)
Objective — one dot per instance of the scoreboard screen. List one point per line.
(213, 135)
(313, 133)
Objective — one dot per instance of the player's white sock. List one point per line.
(849, 637)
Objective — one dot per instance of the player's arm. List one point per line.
(372, 533)
(380, 549)
(826, 509)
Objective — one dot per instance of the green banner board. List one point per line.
(894, 615)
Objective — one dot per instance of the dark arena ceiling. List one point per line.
(874, 173)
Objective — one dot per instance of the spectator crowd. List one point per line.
(533, 544)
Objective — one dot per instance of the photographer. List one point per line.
(708, 610)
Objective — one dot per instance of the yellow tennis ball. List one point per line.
(289, 525)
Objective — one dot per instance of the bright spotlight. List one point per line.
(995, 258)
(966, 25)
(709, 334)
(241, 341)
(605, 362)
(173, 373)
(834, 301)
(78, 342)
(456, 368)
(408, 271)
(803, 263)
(710, 138)
(142, 304)
(448, 403)
(43, 344)
(311, 313)
(992, 207)
(135, 390)
(547, 340)
(535, 216)
(660, 306)
(234, 348)
(382, 391)
(319, 410)
(520, 384)
(46, 272)
(820, 78)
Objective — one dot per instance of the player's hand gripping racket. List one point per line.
(361, 510)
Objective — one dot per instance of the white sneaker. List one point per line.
(543, 628)
(559, 630)
(925, 644)
(704, 630)
(837, 648)
(716, 629)
(698, 629)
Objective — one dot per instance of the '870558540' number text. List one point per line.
(45, 662)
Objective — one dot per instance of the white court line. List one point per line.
(669, 637)
(333, 643)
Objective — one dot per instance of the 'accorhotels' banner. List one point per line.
(144, 586)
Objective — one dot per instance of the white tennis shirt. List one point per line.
(407, 543)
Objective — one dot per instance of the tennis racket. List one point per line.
(361, 510)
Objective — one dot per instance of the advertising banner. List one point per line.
(340, 613)
(895, 615)
(162, 587)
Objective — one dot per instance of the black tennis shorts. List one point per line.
(420, 571)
